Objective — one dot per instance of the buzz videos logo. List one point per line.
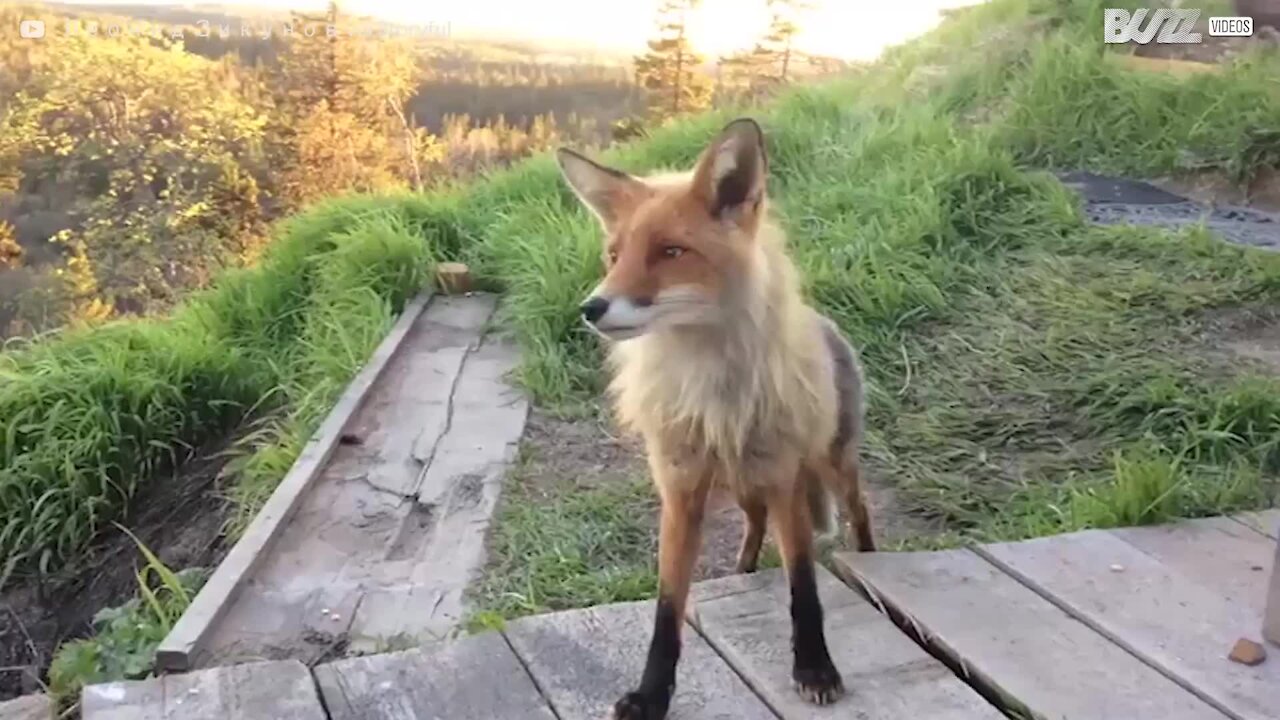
(1167, 26)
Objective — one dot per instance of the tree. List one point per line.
(341, 123)
(144, 144)
(669, 71)
(772, 58)
(783, 27)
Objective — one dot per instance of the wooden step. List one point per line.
(746, 618)
(584, 660)
(27, 707)
(1177, 597)
(279, 690)
(735, 663)
(474, 678)
(1013, 641)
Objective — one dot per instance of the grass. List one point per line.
(1092, 391)
(566, 542)
(90, 416)
(1027, 374)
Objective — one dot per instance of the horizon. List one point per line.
(718, 27)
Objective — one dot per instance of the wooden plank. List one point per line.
(280, 690)
(475, 678)
(1218, 553)
(1271, 614)
(584, 660)
(28, 707)
(359, 558)
(460, 487)
(453, 278)
(1013, 643)
(175, 651)
(1266, 522)
(1175, 624)
(747, 619)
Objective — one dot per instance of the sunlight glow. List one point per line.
(847, 29)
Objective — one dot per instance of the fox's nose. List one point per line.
(594, 308)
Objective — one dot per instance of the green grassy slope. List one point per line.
(1028, 374)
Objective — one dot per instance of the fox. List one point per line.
(731, 378)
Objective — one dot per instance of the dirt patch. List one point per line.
(588, 452)
(1215, 187)
(181, 520)
(1252, 333)
(1263, 346)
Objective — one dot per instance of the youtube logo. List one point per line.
(33, 29)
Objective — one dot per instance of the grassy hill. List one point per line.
(1028, 373)
(913, 208)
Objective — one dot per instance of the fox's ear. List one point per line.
(605, 191)
(730, 176)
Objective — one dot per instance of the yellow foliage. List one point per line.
(89, 312)
(10, 250)
(155, 167)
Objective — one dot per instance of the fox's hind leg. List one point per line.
(755, 520)
(855, 506)
(842, 480)
(842, 477)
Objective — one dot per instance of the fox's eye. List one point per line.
(613, 256)
(672, 251)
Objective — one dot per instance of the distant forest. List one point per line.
(134, 168)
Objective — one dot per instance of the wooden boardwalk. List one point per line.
(1124, 624)
(380, 524)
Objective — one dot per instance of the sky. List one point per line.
(848, 29)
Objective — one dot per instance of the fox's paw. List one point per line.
(638, 706)
(820, 686)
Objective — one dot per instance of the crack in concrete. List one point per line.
(448, 417)
(363, 478)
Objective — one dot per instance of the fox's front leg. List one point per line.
(684, 496)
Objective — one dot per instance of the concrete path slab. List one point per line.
(391, 530)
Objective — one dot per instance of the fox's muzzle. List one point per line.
(594, 308)
(617, 318)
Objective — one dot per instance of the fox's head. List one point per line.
(676, 247)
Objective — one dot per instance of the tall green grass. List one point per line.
(89, 417)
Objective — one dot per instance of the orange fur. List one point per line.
(737, 374)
